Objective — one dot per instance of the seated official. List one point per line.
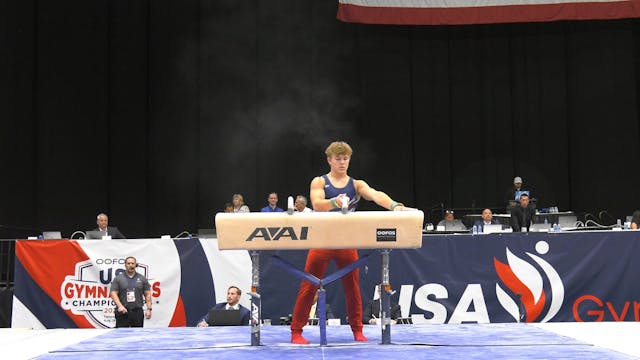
(272, 203)
(233, 303)
(104, 229)
(635, 220)
(522, 215)
(238, 204)
(450, 223)
(300, 204)
(313, 314)
(487, 219)
(372, 312)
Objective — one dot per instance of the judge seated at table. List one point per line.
(635, 220)
(450, 223)
(487, 219)
(104, 229)
(232, 304)
(372, 312)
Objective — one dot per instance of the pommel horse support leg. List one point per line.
(322, 230)
(385, 299)
(256, 301)
(322, 321)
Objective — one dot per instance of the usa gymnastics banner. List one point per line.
(65, 283)
(494, 278)
(455, 12)
(533, 277)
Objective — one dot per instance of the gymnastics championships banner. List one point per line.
(455, 12)
(495, 278)
(65, 283)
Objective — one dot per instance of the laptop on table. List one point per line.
(221, 317)
(94, 234)
(207, 233)
(51, 235)
(491, 228)
(567, 221)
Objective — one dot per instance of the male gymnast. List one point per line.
(327, 193)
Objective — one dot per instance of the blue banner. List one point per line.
(532, 277)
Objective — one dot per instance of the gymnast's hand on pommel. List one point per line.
(340, 200)
(396, 206)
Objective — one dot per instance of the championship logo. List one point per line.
(528, 299)
(87, 292)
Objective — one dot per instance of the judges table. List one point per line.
(321, 230)
(538, 218)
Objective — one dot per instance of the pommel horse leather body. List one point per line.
(321, 230)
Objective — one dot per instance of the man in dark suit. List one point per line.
(487, 219)
(233, 303)
(371, 313)
(105, 229)
(522, 214)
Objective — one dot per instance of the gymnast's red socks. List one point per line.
(297, 338)
(359, 336)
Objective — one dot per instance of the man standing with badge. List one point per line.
(128, 290)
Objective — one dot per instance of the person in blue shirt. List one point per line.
(487, 219)
(273, 203)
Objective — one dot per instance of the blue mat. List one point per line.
(471, 341)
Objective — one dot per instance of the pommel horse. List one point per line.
(383, 230)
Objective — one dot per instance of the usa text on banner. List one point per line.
(456, 12)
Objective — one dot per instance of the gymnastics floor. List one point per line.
(466, 341)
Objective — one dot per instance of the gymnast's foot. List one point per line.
(297, 338)
(359, 336)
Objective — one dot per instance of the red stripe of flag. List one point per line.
(488, 14)
(48, 263)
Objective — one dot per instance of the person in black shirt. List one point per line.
(635, 220)
(129, 291)
(371, 313)
(522, 214)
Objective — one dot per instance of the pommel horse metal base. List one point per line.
(384, 230)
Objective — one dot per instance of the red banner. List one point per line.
(444, 12)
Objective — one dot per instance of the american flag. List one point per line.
(452, 12)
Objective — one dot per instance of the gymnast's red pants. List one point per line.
(317, 263)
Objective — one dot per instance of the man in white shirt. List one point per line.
(102, 220)
(300, 204)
